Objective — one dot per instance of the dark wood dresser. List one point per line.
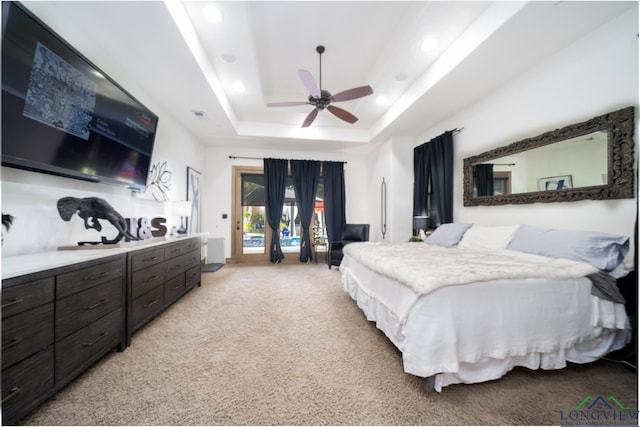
(158, 276)
(62, 317)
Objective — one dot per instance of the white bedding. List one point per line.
(477, 332)
(447, 266)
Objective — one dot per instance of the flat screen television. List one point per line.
(62, 115)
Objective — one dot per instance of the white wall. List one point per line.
(595, 75)
(218, 183)
(381, 168)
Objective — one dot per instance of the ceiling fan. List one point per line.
(322, 99)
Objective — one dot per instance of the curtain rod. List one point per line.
(456, 130)
(258, 158)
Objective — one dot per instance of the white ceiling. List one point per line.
(168, 51)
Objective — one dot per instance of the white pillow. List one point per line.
(479, 236)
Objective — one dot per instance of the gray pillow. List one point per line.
(448, 234)
(603, 251)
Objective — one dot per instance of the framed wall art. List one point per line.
(194, 194)
(555, 183)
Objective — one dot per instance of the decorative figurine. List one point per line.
(94, 208)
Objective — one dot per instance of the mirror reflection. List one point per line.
(573, 163)
(587, 160)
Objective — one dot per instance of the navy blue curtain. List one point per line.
(442, 175)
(433, 166)
(305, 174)
(334, 198)
(421, 172)
(483, 179)
(275, 184)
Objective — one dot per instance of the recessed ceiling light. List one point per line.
(428, 44)
(212, 14)
(238, 87)
(228, 57)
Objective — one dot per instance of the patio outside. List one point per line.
(290, 230)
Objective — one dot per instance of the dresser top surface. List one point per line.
(32, 263)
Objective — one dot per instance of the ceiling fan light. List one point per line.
(428, 44)
(212, 14)
(381, 100)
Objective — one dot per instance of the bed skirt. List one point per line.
(451, 333)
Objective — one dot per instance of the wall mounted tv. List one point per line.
(61, 115)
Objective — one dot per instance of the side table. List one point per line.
(319, 247)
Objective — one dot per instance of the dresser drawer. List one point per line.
(146, 259)
(176, 249)
(173, 288)
(22, 297)
(174, 267)
(26, 333)
(193, 244)
(193, 276)
(145, 280)
(146, 306)
(81, 349)
(25, 385)
(84, 278)
(192, 258)
(78, 310)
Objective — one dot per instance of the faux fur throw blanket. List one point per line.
(426, 267)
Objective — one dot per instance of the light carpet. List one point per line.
(285, 345)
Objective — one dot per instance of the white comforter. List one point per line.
(406, 262)
(518, 310)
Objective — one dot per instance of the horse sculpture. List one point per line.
(92, 209)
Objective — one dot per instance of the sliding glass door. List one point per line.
(250, 229)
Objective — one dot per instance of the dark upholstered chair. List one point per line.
(350, 233)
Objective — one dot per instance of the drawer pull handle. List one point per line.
(13, 393)
(153, 258)
(96, 305)
(178, 286)
(95, 276)
(151, 303)
(14, 341)
(152, 278)
(96, 339)
(12, 302)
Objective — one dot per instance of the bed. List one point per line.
(472, 302)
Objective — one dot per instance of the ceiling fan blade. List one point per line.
(286, 104)
(310, 118)
(309, 82)
(356, 92)
(342, 114)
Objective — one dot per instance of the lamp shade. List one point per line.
(181, 208)
(421, 222)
